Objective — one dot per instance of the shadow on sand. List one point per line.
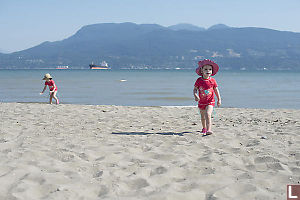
(145, 133)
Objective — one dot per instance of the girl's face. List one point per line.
(206, 71)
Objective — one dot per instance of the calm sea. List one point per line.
(261, 89)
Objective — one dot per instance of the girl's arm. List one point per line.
(195, 91)
(44, 89)
(218, 96)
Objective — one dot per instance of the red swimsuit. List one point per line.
(51, 85)
(206, 91)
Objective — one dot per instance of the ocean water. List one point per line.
(260, 89)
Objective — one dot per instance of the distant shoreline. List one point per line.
(175, 69)
(154, 106)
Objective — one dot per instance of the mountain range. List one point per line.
(129, 45)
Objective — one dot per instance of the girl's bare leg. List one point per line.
(51, 96)
(208, 113)
(203, 121)
(55, 97)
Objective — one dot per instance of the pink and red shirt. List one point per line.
(51, 85)
(206, 90)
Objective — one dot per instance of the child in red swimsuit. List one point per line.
(205, 89)
(52, 88)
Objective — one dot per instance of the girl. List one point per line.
(52, 88)
(207, 87)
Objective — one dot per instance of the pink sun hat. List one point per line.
(201, 63)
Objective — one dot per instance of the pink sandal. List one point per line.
(204, 131)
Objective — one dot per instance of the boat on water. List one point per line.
(103, 65)
(62, 67)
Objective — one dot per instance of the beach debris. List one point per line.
(263, 137)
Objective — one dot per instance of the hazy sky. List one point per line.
(26, 23)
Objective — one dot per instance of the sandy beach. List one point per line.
(83, 152)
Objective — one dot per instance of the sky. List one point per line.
(27, 23)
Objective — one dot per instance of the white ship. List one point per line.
(103, 65)
(62, 67)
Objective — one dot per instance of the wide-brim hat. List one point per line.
(201, 63)
(47, 76)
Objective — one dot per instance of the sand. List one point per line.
(118, 152)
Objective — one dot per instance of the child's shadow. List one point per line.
(145, 133)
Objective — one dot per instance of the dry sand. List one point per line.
(117, 152)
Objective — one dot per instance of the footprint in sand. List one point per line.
(100, 158)
(164, 157)
(98, 174)
(138, 184)
(65, 157)
(83, 156)
(207, 170)
(245, 175)
(158, 170)
(62, 155)
(103, 191)
(253, 143)
(265, 159)
(275, 166)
